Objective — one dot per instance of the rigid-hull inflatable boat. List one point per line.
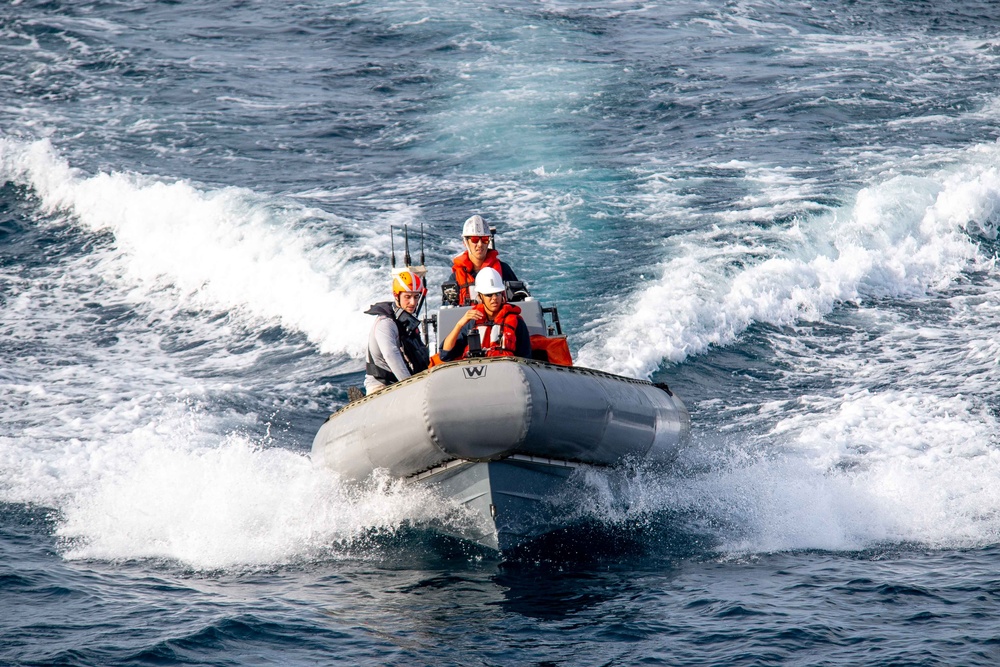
(502, 435)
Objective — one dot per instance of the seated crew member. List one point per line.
(465, 267)
(395, 350)
(502, 332)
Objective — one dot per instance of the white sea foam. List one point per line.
(865, 471)
(873, 468)
(170, 489)
(904, 236)
(138, 456)
(221, 250)
(900, 444)
(231, 505)
(140, 459)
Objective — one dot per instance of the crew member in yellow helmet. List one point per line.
(395, 349)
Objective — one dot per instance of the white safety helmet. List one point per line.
(475, 226)
(489, 281)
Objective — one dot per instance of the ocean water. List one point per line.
(786, 210)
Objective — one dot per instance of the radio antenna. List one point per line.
(392, 246)
(406, 241)
(422, 262)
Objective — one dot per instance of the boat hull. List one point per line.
(510, 499)
(502, 435)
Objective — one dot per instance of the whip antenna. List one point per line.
(422, 262)
(406, 241)
(392, 247)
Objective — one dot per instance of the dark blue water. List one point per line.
(787, 211)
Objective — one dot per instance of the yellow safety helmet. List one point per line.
(407, 281)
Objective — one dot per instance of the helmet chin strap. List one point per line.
(500, 302)
(402, 314)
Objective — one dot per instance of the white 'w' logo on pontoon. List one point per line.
(474, 372)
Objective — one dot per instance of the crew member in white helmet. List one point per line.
(395, 349)
(466, 266)
(502, 332)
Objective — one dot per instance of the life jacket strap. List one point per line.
(383, 375)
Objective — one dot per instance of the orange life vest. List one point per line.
(465, 273)
(499, 335)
